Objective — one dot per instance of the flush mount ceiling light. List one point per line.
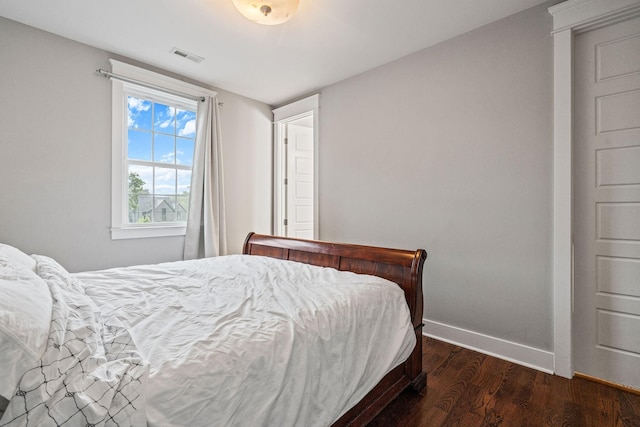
(267, 12)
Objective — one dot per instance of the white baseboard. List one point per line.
(513, 352)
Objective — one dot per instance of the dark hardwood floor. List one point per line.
(466, 388)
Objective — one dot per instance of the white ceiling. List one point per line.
(325, 42)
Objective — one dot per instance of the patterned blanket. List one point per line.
(91, 373)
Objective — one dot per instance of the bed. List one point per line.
(286, 355)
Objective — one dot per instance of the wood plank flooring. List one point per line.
(466, 388)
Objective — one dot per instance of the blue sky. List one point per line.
(161, 134)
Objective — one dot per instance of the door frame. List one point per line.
(570, 18)
(282, 116)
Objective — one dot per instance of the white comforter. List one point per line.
(254, 341)
(90, 373)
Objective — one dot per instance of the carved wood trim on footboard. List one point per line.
(400, 266)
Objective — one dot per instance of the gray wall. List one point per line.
(55, 155)
(450, 149)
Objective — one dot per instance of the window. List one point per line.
(160, 146)
(154, 134)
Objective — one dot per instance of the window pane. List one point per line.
(139, 113)
(165, 181)
(164, 149)
(184, 182)
(181, 211)
(142, 211)
(184, 151)
(140, 201)
(138, 145)
(186, 123)
(164, 119)
(165, 209)
(182, 208)
(184, 187)
(145, 175)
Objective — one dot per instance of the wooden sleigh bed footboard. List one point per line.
(400, 266)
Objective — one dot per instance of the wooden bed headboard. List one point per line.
(400, 266)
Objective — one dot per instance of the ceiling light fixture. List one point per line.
(267, 12)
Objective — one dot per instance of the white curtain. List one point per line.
(206, 225)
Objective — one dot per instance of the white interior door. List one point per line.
(299, 188)
(606, 177)
(296, 164)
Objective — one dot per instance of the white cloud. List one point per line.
(164, 124)
(138, 104)
(189, 128)
(179, 153)
(165, 181)
(184, 178)
(169, 157)
(135, 107)
(164, 116)
(165, 188)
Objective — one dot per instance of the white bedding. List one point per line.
(254, 341)
(89, 372)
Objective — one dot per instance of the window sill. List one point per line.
(147, 232)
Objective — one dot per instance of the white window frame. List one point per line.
(120, 228)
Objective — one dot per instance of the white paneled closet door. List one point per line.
(606, 185)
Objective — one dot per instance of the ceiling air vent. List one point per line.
(187, 55)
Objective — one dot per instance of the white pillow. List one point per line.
(16, 255)
(25, 319)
